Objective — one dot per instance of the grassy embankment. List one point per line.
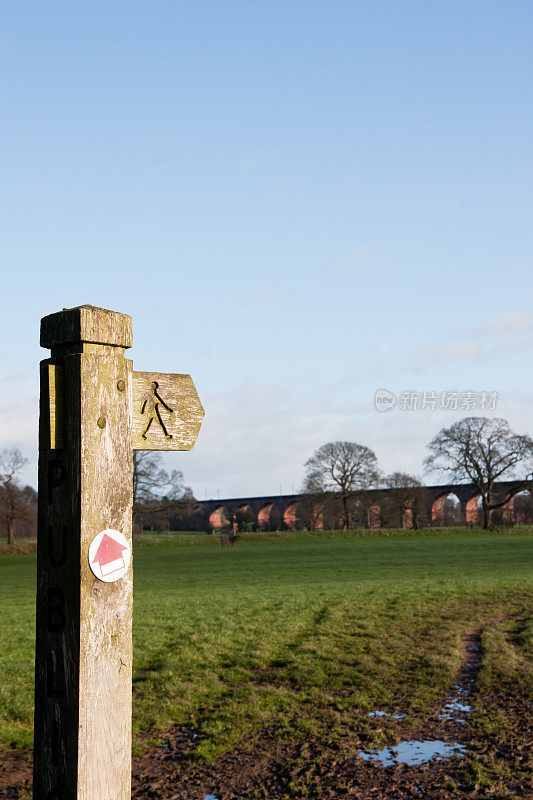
(307, 631)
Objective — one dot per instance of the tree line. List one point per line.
(18, 503)
(477, 450)
(159, 497)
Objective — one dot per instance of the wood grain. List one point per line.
(86, 324)
(94, 410)
(104, 752)
(84, 647)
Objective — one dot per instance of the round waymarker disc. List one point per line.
(109, 555)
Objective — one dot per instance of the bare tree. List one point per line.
(319, 510)
(148, 476)
(13, 499)
(243, 519)
(404, 503)
(155, 491)
(341, 470)
(482, 450)
(313, 509)
(523, 508)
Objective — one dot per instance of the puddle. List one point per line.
(456, 707)
(210, 797)
(413, 753)
(386, 714)
(455, 711)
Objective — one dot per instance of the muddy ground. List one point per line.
(495, 764)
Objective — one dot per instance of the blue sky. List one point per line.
(298, 202)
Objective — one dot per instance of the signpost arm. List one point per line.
(82, 748)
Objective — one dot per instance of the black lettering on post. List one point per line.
(57, 616)
(57, 546)
(57, 470)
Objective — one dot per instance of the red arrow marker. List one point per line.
(109, 555)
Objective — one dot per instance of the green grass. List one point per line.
(304, 631)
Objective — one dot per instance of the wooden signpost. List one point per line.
(94, 411)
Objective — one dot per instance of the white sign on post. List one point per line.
(109, 555)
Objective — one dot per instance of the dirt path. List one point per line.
(274, 768)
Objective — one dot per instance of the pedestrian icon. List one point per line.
(168, 412)
(150, 406)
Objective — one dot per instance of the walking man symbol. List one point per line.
(150, 407)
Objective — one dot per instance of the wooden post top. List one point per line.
(89, 324)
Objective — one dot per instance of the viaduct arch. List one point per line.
(285, 511)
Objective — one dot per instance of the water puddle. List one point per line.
(455, 711)
(456, 708)
(413, 753)
(386, 714)
(210, 797)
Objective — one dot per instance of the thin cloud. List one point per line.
(509, 324)
(449, 352)
(352, 261)
(511, 332)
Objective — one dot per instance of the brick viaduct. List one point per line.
(262, 510)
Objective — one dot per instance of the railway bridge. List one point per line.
(439, 505)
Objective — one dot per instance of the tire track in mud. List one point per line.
(271, 767)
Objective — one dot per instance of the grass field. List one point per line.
(306, 630)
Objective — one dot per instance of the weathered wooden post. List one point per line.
(94, 412)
